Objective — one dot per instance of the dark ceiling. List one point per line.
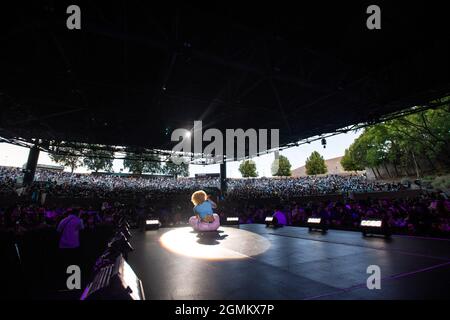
(136, 71)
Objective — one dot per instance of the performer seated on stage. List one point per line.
(205, 219)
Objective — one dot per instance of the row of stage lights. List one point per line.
(154, 224)
(367, 226)
(114, 279)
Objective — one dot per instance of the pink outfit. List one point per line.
(205, 226)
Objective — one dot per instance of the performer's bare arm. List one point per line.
(213, 204)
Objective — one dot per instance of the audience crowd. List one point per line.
(115, 186)
(428, 214)
(64, 219)
(22, 218)
(305, 186)
(250, 199)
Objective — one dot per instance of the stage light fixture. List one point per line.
(232, 220)
(371, 223)
(124, 223)
(120, 244)
(314, 220)
(315, 223)
(108, 257)
(374, 226)
(152, 224)
(114, 281)
(271, 221)
(125, 232)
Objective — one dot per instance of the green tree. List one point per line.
(348, 163)
(176, 170)
(142, 163)
(133, 165)
(370, 149)
(98, 159)
(281, 167)
(247, 169)
(65, 160)
(401, 141)
(315, 164)
(66, 155)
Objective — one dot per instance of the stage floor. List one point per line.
(255, 262)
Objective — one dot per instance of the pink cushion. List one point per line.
(204, 226)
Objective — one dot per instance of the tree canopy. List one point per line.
(146, 163)
(315, 164)
(247, 169)
(281, 167)
(349, 163)
(96, 159)
(66, 157)
(176, 170)
(401, 141)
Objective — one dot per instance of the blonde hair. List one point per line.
(198, 197)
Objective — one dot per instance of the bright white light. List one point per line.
(269, 219)
(131, 280)
(232, 219)
(314, 220)
(187, 134)
(371, 223)
(229, 243)
(152, 221)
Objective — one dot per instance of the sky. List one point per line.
(11, 155)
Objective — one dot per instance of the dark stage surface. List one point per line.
(255, 262)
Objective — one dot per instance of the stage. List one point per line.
(255, 262)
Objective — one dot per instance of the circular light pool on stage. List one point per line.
(227, 243)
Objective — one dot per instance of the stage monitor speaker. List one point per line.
(152, 224)
(271, 221)
(232, 221)
(374, 227)
(315, 223)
